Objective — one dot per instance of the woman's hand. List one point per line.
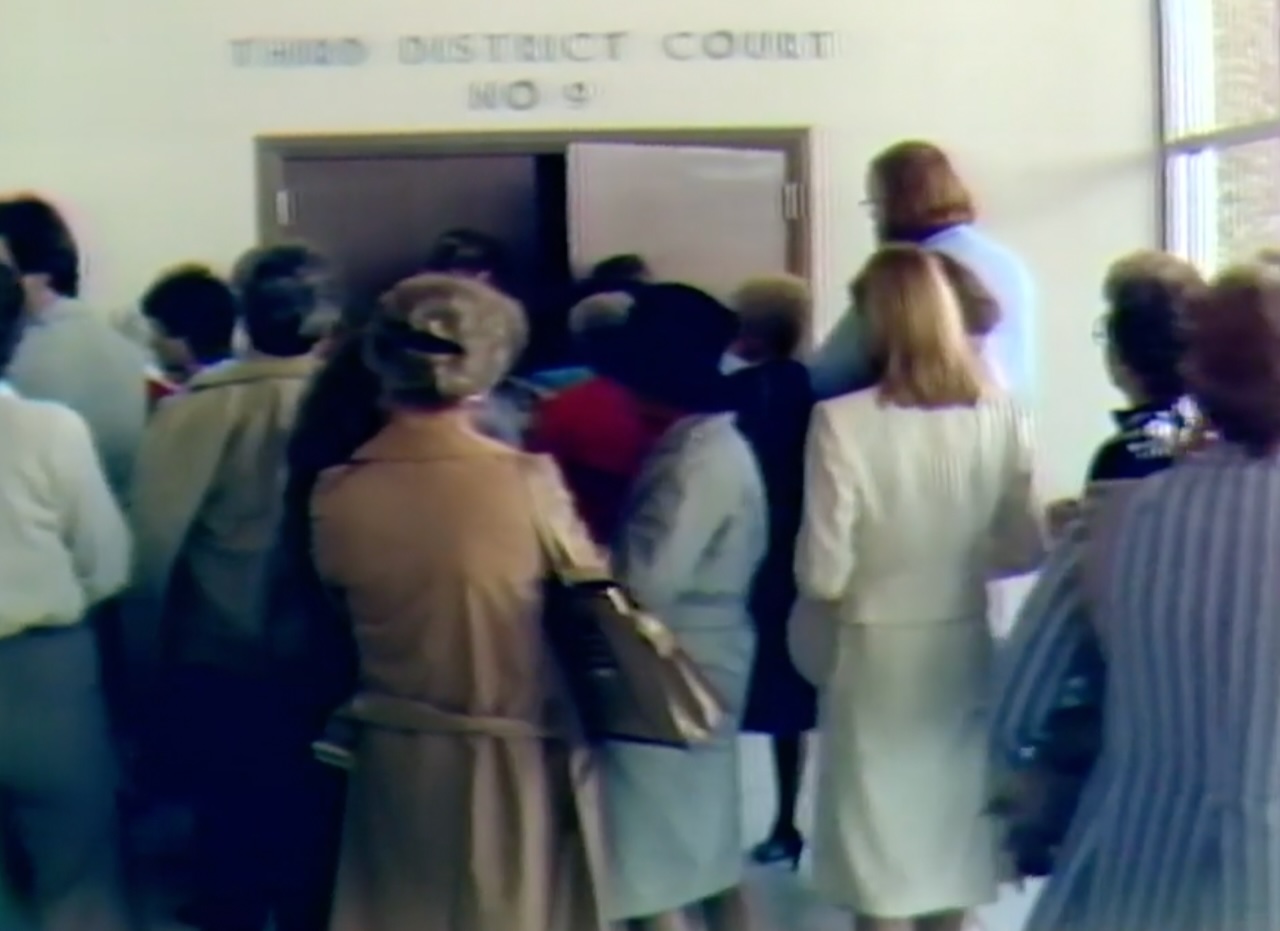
(1061, 513)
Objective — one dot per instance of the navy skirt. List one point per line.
(780, 701)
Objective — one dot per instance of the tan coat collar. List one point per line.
(449, 434)
(259, 368)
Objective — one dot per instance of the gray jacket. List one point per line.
(73, 355)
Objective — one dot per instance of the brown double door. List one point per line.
(378, 216)
(708, 215)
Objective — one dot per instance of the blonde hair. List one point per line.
(599, 312)
(916, 331)
(978, 306)
(775, 311)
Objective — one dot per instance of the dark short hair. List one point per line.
(194, 305)
(1233, 356)
(470, 253)
(1148, 293)
(287, 296)
(12, 314)
(978, 306)
(920, 191)
(620, 269)
(41, 243)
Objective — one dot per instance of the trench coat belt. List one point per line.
(406, 714)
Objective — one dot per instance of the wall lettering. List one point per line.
(526, 95)
(585, 49)
(300, 53)
(727, 45)
(512, 48)
(498, 95)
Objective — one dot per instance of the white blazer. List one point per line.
(909, 512)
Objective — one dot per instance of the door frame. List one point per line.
(273, 151)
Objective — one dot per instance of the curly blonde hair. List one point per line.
(774, 313)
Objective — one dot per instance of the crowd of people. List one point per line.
(293, 579)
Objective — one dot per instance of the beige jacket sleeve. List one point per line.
(176, 464)
(555, 506)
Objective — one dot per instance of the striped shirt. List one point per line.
(1177, 829)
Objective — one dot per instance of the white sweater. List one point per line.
(64, 545)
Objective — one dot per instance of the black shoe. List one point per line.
(783, 848)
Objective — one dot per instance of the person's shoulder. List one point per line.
(1112, 461)
(795, 370)
(102, 354)
(568, 398)
(719, 439)
(713, 445)
(790, 375)
(1138, 500)
(863, 400)
(1003, 404)
(994, 262)
(974, 243)
(48, 424)
(1132, 454)
(54, 414)
(583, 404)
(178, 404)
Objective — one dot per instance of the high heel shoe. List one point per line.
(786, 848)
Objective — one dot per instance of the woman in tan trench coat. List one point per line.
(469, 808)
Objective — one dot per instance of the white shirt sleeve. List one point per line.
(1018, 537)
(825, 547)
(93, 526)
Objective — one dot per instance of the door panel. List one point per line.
(377, 217)
(707, 216)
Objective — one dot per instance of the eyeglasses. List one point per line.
(1100, 330)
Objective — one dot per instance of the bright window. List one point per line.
(1221, 115)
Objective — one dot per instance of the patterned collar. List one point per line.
(1157, 429)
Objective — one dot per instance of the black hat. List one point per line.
(671, 347)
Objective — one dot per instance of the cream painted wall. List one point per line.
(130, 114)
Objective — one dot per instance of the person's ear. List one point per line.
(36, 289)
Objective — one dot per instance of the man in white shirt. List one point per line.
(64, 547)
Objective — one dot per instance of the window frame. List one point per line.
(1186, 99)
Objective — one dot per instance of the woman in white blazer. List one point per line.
(919, 491)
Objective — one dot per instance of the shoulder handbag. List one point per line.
(626, 672)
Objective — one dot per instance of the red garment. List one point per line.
(600, 434)
(159, 388)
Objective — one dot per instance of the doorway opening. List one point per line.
(708, 207)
